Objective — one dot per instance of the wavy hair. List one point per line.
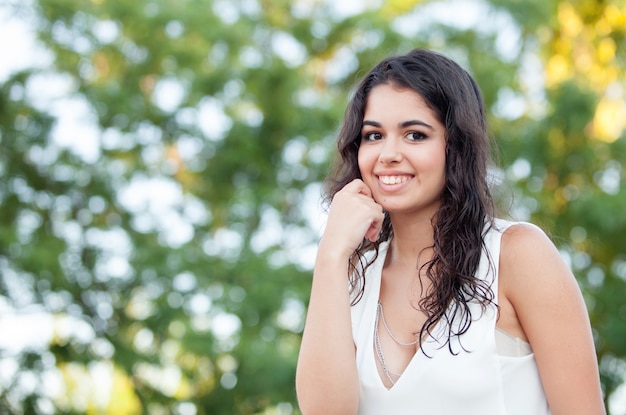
(467, 208)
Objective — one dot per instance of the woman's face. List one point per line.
(402, 156)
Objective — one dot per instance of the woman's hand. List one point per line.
(353, 215)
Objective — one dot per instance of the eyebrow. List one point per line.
(401, 125)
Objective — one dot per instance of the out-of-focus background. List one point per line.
(160, 170)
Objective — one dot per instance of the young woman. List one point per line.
(449, 310)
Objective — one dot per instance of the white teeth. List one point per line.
(393, 179)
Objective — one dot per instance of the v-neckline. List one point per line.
(372, 353)
(428, 338)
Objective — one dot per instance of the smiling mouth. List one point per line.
(393, 179)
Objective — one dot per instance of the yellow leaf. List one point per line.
(570, 22)
(609, 120)
(123, 399)
(392, 8)
(606, 50)
(558, 69)
(614, 16)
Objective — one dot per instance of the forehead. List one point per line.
(390, 101)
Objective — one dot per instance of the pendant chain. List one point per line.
(382, 315)
(379, 351)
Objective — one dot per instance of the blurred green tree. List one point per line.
(159, 178)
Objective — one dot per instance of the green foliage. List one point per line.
(173, 254)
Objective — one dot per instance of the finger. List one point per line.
(361, 188)
(374, 230)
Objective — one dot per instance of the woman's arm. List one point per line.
(551, 313)
(326, 378)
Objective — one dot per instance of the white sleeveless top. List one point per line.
(475, 381)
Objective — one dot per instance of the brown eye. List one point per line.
(372, 136)
(416, 136)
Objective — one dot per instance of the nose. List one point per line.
(390, 151)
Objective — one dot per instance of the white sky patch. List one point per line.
(174, 29)
(609, 179)
(510, 105)
(270, 231)
(27, 222)
(468, 14)
(115, 246)
(250, 7)
(151, 194)
(70, 36)
(168, 94)
(288, 48)
(519, 170)
(343, 62)
(299, 246)
(141, 305)
(477, 15)
(291, 315)
(176, 231)
(251, 57)
(225, 325)
(144, 340)
(35, 330)
(67, 327)
(340, 10)
(158, 204)
(76, 122)
(112, 240)
(184, 282)
(199, 304)
(44, 90)
(226, 10)
(617, 402)
(76, 128)
(165, 378)
(212, 120)
(308, 97)
(344, 9)
(19, 48)
(24, 330)
(531, 73)
(312, 206)
(225, 243)
(187, 117)
(294, 150)
(195, 211)
(106, 31)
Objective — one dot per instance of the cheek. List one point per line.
(438, 159)
(434, 164)
(432, 160)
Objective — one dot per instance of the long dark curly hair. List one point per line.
(467, 209)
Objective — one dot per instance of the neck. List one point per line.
(411, 236)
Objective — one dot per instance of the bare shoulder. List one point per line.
(526, 249)
(531, 270)
(524, 235)
(536, 283)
